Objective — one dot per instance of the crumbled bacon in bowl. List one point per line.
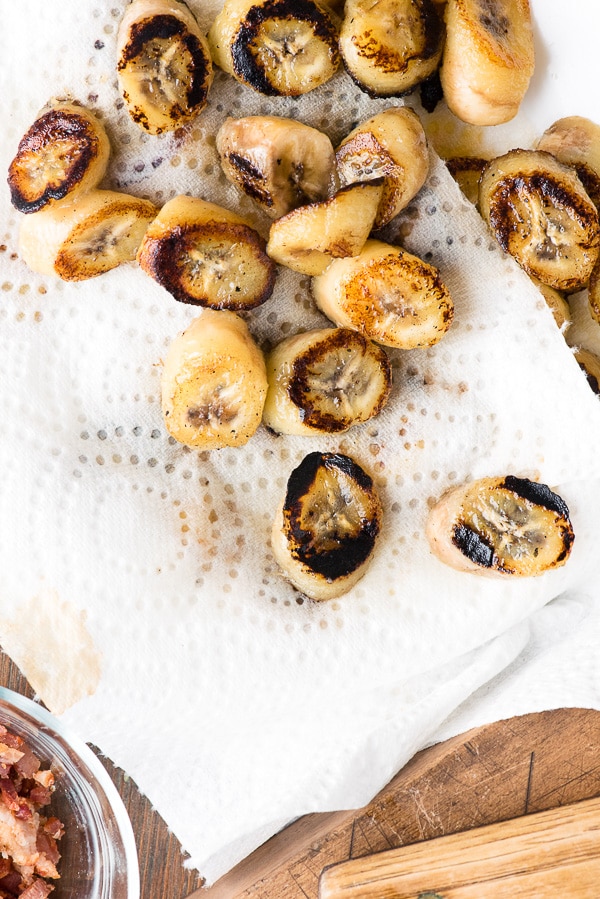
(60, 812)
(28, 834)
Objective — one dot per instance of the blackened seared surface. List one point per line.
(590, 180)
(351, 550)
(460, 164)
(168, 27)
(433, 28)
(503, 219)
(248, 37)
(473, 546)
(538, 494)
(591, 379)
(250, 178)
(430, 92)
(55, 125)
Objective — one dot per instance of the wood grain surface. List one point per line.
(541, 856)
(491, 774)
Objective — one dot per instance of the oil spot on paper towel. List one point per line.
(49, 641)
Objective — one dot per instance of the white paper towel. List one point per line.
(139, 594)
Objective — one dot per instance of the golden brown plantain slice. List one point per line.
(280, 48)
(325, 381)
(541, 215)
(64, 154)
(501, 527)
(488, 59)
(213, 383)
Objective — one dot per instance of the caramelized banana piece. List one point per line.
(325, 531)
(164, 64)
(310, 237)
(391, 145)
(575, 141)
(541, 215)
(501, 527)
(280, 48)
(214, 383)
(488, 59)
(64, 154)
(558, 304)
(589, 363)
(280, 163)
(389, 46)
(324, 382)
(388, 295)
(466, 171)
(77, 240)
(206, 255)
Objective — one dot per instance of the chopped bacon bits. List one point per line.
(28, 840)
(39, 889)
(40, 795)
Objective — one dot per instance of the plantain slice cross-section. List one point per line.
(164, 64)
(389, 46)
(278, 162)
(206, 255)
(325, 530)
(80, 239)
(541, 215)
(388, 295)
(575, 141)
(310, 237)
(325, 381)
(501, 527)
(64, 154)
(280, 48)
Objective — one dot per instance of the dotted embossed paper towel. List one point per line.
(139, 593)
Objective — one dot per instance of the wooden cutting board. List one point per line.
(494, 773)
(541, 856)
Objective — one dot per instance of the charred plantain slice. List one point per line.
(575, 141)
(541, 215)
(325, 381)
(277, 47)
(164, 66)
(501, 527)
(213, 383)
(325, 531)
(390, 46)
(280, 163)
(64, 154)
(206, 255)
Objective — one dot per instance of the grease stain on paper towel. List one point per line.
(55, 651)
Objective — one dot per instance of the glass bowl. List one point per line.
(98, 852)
